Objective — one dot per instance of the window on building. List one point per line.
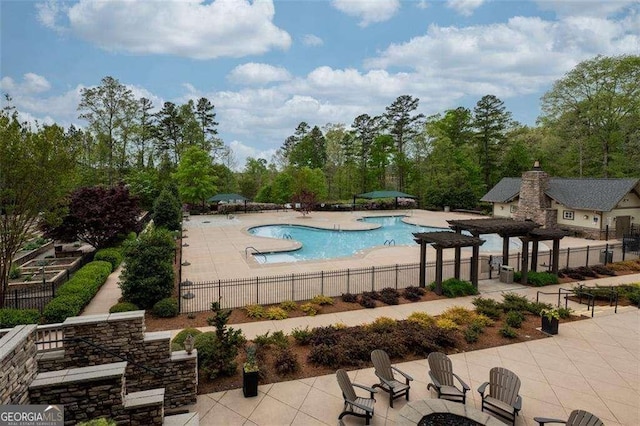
(513, 208)
(568, 214)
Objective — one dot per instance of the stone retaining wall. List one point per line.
(18, 361)
(99, 339)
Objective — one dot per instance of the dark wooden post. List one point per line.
(438, 270)
(423, 263)
(505, 250)
(534, 256)
(475, 260)
(556, 256)
(525, 260)
(456, 266)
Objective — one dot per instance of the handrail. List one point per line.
(567, 291)
(389, 242)
(613, 294)
(258, 252)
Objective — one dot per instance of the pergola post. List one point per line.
(556, 256)
(456, 265)
(534, 256)
(475, 261)
(505, 249)
(423, 263)
(438, 270)
(524, 270)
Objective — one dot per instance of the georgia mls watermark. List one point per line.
(31, 415)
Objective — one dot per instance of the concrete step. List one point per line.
(186, 419)
(603, 310)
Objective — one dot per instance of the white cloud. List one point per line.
(258, 74)
(422, 4)
(595, 8)
(464, 7)
(369, 11)
(31, 83)
(312, 40)
(190, 28)
(242, 151)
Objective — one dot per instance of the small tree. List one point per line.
(221, 359)
(167, 211)
(97, 215)
(148, 275)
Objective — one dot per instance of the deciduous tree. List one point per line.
(195, 176)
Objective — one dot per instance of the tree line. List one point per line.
(589, 127)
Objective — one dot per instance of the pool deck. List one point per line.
(216, 245)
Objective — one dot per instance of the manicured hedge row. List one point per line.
(11, 317)
(112, 255)
(76, 293)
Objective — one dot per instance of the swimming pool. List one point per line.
(329, 244)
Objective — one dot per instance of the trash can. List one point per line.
(506, 274)
(606, 256)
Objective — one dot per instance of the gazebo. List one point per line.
(382, 194)
(228, 198)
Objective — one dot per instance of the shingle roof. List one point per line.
(505, 191)
(583, 194)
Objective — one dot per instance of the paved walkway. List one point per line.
(591, 364)
(107, 296)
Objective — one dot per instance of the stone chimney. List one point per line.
(534, 204)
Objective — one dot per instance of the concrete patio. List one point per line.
(592, 364)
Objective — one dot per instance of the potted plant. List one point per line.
(550, 320)
(250, 372)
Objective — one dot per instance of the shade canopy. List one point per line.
(385, 194)
(227, 197)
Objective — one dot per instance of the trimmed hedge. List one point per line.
(455, 288)
(11, 317)
(123, 307)
(112, 255)
(166, 308)
(76, 293)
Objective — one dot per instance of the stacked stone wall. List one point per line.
(19, 366)
(533, 203)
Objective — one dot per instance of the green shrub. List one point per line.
(302, 335)
(446, 324)
(277, 338)
(459, 315)
(177, 344)
(367, 301)
(286, 362)
(322, 300)
(148, 276)
(123, 307)
(565, 312)
(382, 325)
(488, 307)
(166, 308)
(15, 272)
(222, 361)
(471, 335)
(309, 309)
(537, 279)
(62, 307)
(76, 293)
(508, 332)
(455, 288)
(514, 319)
(111, 255)
(289, 305)
(515, 302)
(167, 211)
(536, 307)
(98, 422)
(255, 311)
(11, 317)
(275, 313)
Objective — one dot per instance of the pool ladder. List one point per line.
(256, 252)
(336, 227)
(390, 242)
(287, 237)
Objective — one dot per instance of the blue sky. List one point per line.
(267, 65)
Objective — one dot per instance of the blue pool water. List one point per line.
(328, 244)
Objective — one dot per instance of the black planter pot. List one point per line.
(250, 383)
(550, 326)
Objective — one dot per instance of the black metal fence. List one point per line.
(35, 296)
(236, 293)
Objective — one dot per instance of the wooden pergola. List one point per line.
(507, 228)
(444, 240)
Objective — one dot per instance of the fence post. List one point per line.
(396, 276)
(293, 287)
(15, 299)
(322, 283)
(568, 254)
(257, 291)
(373, 278)
(219, 290)
(624, 249)
(587, 263)
(179, 297)
(348, 270)
(606, 254)
(53, 289)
